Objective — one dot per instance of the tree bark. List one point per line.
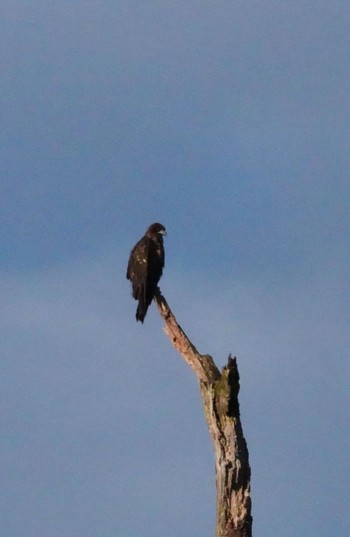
(219, 392)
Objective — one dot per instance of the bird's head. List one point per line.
(156, 230)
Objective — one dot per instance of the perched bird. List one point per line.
(145, 268)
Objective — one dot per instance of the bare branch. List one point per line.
(202, 364)
(220, 398)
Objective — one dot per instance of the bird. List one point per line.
(145, 267)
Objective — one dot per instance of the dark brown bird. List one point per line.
(145, 268)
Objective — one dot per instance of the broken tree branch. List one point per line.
(219, 392)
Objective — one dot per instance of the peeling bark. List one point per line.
(219, 392)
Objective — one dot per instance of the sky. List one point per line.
(228, 122)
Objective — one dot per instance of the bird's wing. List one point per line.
(138, 260)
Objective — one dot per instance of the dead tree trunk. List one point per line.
(220, 397)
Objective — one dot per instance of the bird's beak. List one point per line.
(163, 232)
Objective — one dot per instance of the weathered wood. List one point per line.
(220, 398)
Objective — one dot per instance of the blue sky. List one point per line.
(229, 123)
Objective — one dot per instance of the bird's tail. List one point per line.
(141, 311)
